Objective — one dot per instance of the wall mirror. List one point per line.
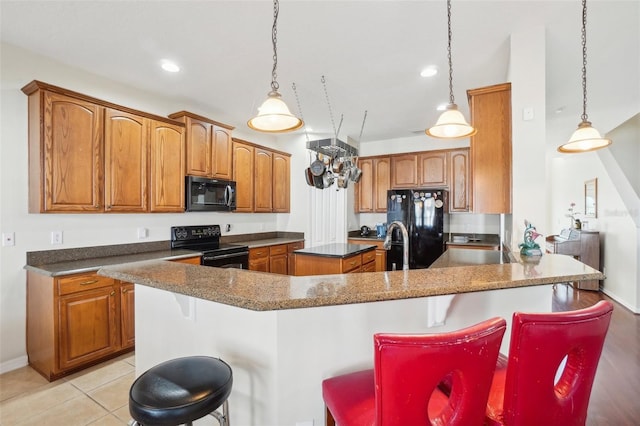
(591, 198)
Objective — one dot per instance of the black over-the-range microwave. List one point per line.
(206, 194)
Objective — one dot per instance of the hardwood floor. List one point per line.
(616, 390)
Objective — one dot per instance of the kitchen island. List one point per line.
(335, 259)
(282, 335)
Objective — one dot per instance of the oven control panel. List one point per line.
(185, 233)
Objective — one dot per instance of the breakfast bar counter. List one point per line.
(283, 335)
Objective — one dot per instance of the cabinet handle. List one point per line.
(89, 282)
(124, 290)
(112, 293)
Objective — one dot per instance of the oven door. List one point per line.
(226, 260)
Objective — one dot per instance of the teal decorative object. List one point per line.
(530, 247)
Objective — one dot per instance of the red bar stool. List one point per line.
(402, 387)
(526, 389)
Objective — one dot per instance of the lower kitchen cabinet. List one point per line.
(277, 259)
(259, 259)
(307, 264)
(380, 264)
(75, 321)
(191, 260)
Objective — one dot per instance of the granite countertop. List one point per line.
(478, 240)
(264, 292)
(95, 263)
(269, 242)
(469, 257)
(338, 250)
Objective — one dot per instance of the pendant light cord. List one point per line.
(584, 61)
(274, 40)
(451, 101)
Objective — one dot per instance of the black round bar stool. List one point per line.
(180, 391)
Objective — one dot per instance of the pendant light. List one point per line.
(274, 115)
(585, 138)
(451, 124)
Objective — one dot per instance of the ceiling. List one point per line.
(370, 52)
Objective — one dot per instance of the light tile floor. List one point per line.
(97, 396)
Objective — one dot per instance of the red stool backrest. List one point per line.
(539, 343)
(409, 367)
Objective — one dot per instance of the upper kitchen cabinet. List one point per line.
(263, 178)
(404, 171)
(281, 182)
(167, 167)
(491, 149)
(88, 155)
(66, 143)
(433, 168)
(243, 167)
(126, 146)
(459, 181)
(371, 190)
(208, 146)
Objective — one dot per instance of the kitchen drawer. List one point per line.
(351, 263)
(368, 256)
(258, 253)
(76, 283)
(278, 250)
(295, 246)
(369, 267)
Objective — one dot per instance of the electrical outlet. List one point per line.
(8, 239)
(56, 237)
(143, 233)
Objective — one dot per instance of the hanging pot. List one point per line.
(308, 176)
(317, 167)
(356, 173)
(328, 179)
(318, 182)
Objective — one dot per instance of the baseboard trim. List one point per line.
(14, 364)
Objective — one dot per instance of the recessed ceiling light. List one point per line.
(429, 71)
(169, 66)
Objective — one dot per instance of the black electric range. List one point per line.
(206, 239)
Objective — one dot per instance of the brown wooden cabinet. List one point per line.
(75, 321)
(371, 191)
(65, 153)
(88, 155)
(127, 315)
(291, 257)
(263, 180)
(259, 259)
(126, 145)
(380, 261)
(433, 169)
(491, 149)
(404, 171)
(167, 167)
(307, 264)
(278, 259)
(208, 146)
(459, 181)
(190, 260)
(243, 167)
(281, 186)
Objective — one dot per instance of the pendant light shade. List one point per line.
(585, 138)
(451, 124)
(274, 115)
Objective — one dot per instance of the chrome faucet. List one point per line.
(405, 242)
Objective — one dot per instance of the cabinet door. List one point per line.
(381, 183)
(199, 150)
(222, 152)
(125, 155)
(243, 162)
(259, 259)
(381, 260)
(263, 185)
(167, 167)
(491, 149)
(88, 326)
(364, 187)
(433, 169)
(127, 315)
(278, 264)
(281, 183)
(459, 187)
(404, 171)
(72, 156)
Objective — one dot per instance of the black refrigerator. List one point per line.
(424, 213)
